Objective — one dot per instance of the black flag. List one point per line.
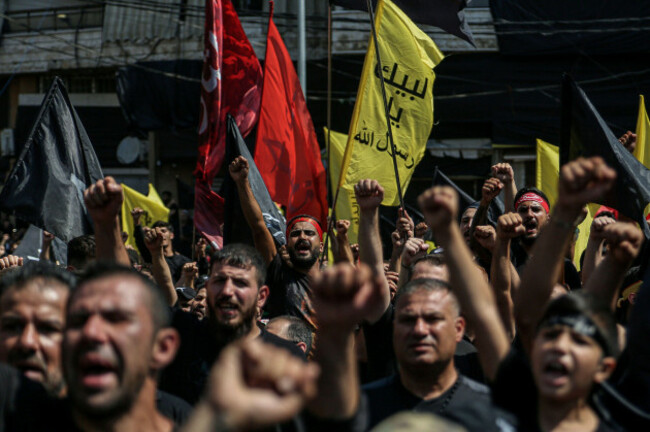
(57, 163)
(448, 15)
(585, 133)
(235, 228)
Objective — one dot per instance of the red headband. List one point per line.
(531, 196)
(308, 220)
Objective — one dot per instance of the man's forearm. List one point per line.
(370, 253)
(338, 385)
(163, 277)
(502, 285)
(109, 245)
(253, 214)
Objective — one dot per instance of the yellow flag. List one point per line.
(642, 150)
(346, 204)
(547, 174)
(408, 57)
(154, 210)
(547, 169)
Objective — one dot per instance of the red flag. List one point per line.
(231, 84)
(208, 213)
(287, 152)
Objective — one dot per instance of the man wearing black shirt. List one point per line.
(289, 282)
(236, 292)
(427, 329)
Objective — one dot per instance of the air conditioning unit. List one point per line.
(7, 147)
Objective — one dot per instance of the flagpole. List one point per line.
(389, 132)
(329, 128)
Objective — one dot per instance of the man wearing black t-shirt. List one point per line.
(235, 294)
(289, 282)
(427, 328)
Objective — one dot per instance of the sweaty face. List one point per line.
(565, 363)
(108, 343)
(303, 245)
(466, 222)
(534, 217)
(426, 330)
(233, 296)
(31, 330)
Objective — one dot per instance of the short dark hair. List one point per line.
(595, 309)
(531, 189)
(160, 312)
(437, 259)
(81, 250)
(428, 285)
(298, 330)
(19, 278)
(163, 224)
(242, 256)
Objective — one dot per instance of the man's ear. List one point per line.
(164, 348)
(262, 296)
(302, 346)
(607, 366)
(459, 324)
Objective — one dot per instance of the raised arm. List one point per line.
(188, 275)
(46, 246)
(594, 250)
(491, 189)
(504, 172)
(623, 244)
(509, 226)
(404, 231)
(440, 207)
(104, 203)
(343, 250)
(261, 236)
(343, 297)
(153, 239)
(369, 195)
(581, 181)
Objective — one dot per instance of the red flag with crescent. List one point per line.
(287, 152)
(231, 84)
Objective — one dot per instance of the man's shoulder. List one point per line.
(180, 258)
(469, 385)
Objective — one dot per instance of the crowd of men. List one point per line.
(472, 323)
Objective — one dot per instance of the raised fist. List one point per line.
(503, 172)
(623, 241)
(486, 236)
(414, 248)
(153, 239)
(342, 227)
(598, 225)
(238, 169)
(439, 205)
(254, 385)
(190, 270)
(369, 194)
(583, 181)
(136, 213)
(421, 229)
(510, 225)
(345, 295)
(47, 237)
(405, 224)
(629, 141)
(104, 200)
(491, 189)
